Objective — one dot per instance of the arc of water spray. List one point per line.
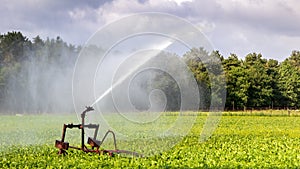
(157, 50)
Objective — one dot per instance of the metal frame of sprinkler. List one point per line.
(93, 142)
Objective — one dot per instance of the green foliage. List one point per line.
(259, 91)
(165, 82)
(250, 82)
(236, 82)
(20, 60)
(194, 60)
(238, 142)
(289, 80)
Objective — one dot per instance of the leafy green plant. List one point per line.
(238, 142)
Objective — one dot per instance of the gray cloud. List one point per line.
(47, 18)
(274, 16)
(271, 27)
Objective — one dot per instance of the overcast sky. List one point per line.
(270, 27)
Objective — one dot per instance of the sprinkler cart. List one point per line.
(93, 142)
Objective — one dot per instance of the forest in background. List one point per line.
(36, 77)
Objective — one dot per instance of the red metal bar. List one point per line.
(93, 142)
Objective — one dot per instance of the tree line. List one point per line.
(35, 76)
(257, 82)
(30, 71)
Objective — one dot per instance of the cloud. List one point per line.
(49, 18)
(271, 27)
(274, 16)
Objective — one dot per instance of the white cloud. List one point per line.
(179, 2)
(77, 14)
(239, 26)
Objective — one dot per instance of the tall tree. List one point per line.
(289, 80)
(260, 90)
(272, 67)
(195, 60)
(236, 82)
(14, 47)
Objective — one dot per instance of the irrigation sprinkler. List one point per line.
(93, 142)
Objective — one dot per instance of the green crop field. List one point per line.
(240, 141)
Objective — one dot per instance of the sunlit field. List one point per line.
(257, 139)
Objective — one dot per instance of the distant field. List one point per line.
(264, 113)
(245, 140)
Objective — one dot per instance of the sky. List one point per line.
(269, 27)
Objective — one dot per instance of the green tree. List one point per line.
(28, 71)
(195, 60)
(289, 80)
(14, 47)
(260, 89)
(217, 78)
(237, 83)
(272, 67)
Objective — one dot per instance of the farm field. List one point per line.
(257, 140)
